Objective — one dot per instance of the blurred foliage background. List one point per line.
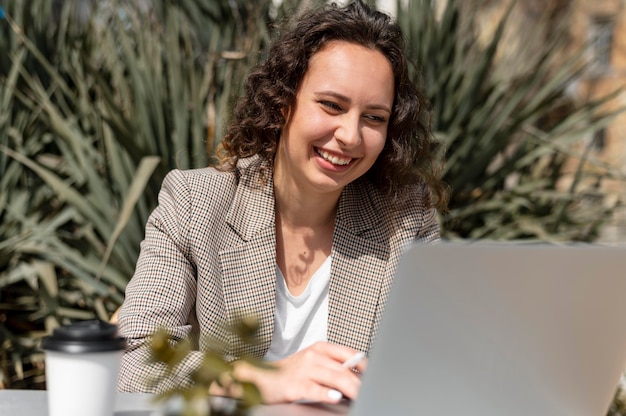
(100, 98)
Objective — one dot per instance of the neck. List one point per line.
(303, 208)
(304, 211)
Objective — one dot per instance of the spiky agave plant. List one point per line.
(515, 156)
(98, 100)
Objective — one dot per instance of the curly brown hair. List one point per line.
(271, 86)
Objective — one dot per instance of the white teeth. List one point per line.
(334, 159)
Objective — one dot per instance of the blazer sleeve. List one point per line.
(161, 293)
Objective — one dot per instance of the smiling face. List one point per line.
(337, 126)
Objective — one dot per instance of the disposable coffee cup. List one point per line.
(82, 366)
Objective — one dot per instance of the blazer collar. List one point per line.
(249, 267)
(252, 210)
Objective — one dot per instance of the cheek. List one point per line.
(376, 143)
(308, 124)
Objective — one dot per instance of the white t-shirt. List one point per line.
(301, 320)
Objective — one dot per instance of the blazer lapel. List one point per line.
(249, 265)
(357, 272)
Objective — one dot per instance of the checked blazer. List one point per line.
(210, 253)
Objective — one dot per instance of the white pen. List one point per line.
(354, 360)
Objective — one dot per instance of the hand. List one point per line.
(309, 374)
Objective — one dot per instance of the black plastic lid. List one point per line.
(83, 337)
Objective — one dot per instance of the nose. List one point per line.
(348, 132)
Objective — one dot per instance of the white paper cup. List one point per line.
(82, 366)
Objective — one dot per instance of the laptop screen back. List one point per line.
(486, 329)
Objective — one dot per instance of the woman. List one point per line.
(326, 175)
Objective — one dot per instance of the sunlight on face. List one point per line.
(337, 126)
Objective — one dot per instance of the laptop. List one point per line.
(500, 330)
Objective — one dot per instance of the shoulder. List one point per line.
(412, 216)
(416, 214)
(209, 184)
(193, 201)
(414, 202)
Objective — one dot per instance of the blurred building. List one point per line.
(599, 26)
(597, 29)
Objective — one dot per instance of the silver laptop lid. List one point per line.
(484, 329)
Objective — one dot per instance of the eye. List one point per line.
(331, 105)
(376, 118)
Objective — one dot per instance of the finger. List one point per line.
(332, 366)
(339, 378)
(323, 395)
(324, 367)
(348, 386)
(339, 353)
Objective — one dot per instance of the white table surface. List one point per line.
(35, 403)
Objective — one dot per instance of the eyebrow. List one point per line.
(344, 98)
